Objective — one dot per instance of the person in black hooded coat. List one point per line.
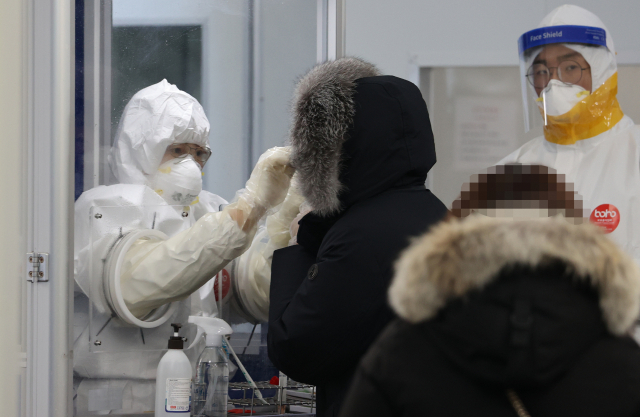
(501, 318)
(362, 147)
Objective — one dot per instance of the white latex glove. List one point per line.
(271, 177)
(156, 273)
(266, 188)
(253, 273)
(294, 226)
(278, 224)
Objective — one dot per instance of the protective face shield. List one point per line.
(569, 76)
(178, 181)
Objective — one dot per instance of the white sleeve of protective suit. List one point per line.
(254, 266)
(157, 272)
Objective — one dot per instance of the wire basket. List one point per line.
(288, 400)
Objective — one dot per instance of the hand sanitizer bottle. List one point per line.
(173, 380)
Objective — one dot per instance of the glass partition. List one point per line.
(240, 59)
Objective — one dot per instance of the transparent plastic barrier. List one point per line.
(108, 226)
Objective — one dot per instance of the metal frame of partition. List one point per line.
(97, 90)
(331, 29)
(50, 115)
(336, 28)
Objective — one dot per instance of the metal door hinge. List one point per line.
(37, 267)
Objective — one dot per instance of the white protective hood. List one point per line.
(602, 61)
(154, 118)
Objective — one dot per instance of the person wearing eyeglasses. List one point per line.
(154, 239)
(569, 85)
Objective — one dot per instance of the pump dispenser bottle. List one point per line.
(173, 380)
(211, 383)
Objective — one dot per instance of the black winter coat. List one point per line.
(328, 298)
(536, 329)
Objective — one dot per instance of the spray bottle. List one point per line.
(211, 383)
(173, 380)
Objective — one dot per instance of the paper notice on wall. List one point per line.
(485, 131)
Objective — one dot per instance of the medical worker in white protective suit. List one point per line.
(147, 242)
(570, 82)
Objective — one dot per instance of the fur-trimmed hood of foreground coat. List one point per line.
(356, 134)
(458, 257)
(516, 303)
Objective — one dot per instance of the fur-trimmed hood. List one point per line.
(516, 303)
(356, 134)
(459, 257)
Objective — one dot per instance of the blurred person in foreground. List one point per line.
(503, 318)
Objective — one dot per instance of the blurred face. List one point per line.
(557, 62)
(519, 192)
(181, 150)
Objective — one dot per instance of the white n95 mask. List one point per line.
(178, 181)
(558, 98)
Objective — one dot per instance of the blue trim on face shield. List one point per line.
(562, 34)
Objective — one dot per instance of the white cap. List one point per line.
(213, 327)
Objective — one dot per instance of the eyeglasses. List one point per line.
(181, 150)
(569, 72)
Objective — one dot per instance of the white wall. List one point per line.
(399, 34)
(13, 246)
